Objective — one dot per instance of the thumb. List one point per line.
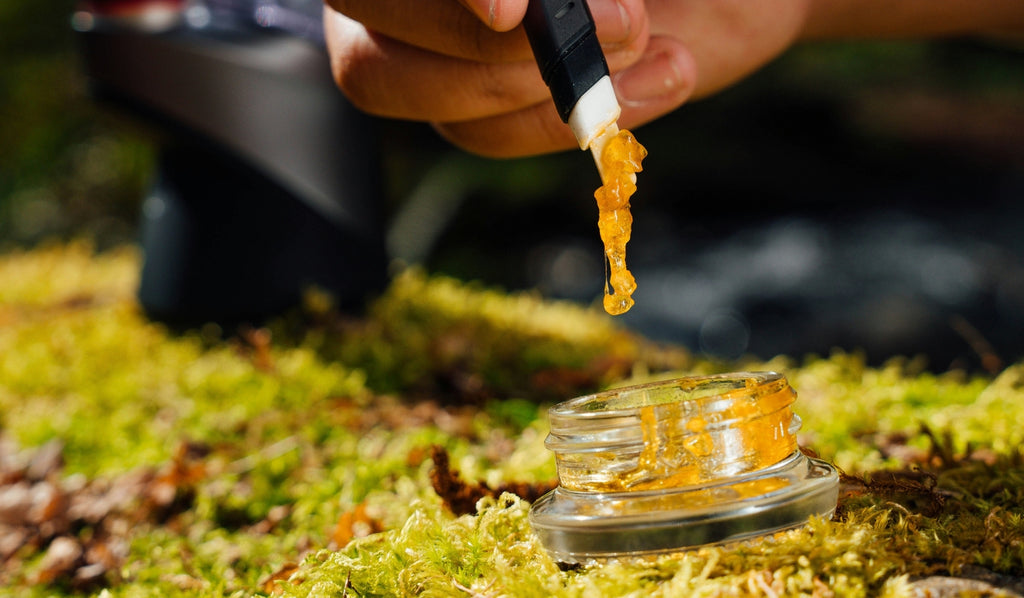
(499, 15)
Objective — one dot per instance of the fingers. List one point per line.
(659, 82)
(663, 78)
(433, 60)
(387, 77)
(441, 26)
(445, 27)
(533, 130)
(729, 39)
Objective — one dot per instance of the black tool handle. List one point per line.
(564, 41)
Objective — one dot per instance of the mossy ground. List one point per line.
(295, 458)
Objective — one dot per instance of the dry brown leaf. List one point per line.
(272, 585)
(62, 558)
(460, 497)
(356, 523)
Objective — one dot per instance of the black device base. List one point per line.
(268, 179)
(225, 244)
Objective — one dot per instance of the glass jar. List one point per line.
(679, 463)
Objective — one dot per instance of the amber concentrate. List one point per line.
(620, 161)
(672, 460)
(682, 448)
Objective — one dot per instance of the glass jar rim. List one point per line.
(612, 417)
(699, 389)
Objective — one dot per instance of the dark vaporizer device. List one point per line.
(564, 41)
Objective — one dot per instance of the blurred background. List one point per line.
(868, 196)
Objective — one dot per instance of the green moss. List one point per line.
(293, 434)
(495, 553)
(847, 406)
(873, 551)
(442, 336)
(120, 392)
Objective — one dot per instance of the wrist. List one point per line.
(838, 19)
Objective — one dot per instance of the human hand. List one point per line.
(471, 72)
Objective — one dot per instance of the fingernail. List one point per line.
(484, 10)
(613, 23)
(654, 76)
(491, 13)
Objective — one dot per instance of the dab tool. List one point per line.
(563, 37)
